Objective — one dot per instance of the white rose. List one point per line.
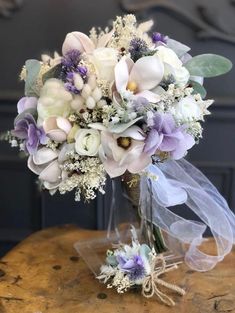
(87, 142)
(104, 60)
(168, 56)
(187, 109)
(173, 65)
(181, 76)
(54, 100)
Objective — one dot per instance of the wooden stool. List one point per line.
(44, 274)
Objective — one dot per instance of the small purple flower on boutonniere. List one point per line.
(134, 267)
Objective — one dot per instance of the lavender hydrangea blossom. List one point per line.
(26, 103)
(167, 137)
(27, 130)
(134, 267)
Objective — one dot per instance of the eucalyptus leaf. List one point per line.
(208, 65)
(112, 260)
(54, 72)
(198, 88)
(145, 250)
(119, 128)
(32, 70)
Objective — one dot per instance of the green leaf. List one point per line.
(208, 65)
(32, 69)
(198, 88)
(112, 260)
(54, 72)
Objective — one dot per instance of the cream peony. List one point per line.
(54, 100)
(168, 56)
(187, 109)
(87, 142)
(173, 65)
(105, 60)
(181, 76)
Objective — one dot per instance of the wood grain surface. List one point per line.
(44, 274)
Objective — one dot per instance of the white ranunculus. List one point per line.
(54, 100)
(87, 142)
(181, 76)
(168, 56)
(104, 60)
(187, 109)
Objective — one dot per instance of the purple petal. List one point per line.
(171, 141)
(153, 141)
(26, 103)
(185, 144)
(129, 265)
(168, 124)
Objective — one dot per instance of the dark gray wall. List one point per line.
(43, 24)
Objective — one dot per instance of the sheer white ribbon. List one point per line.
(179, 182)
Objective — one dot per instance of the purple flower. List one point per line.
(138, 48)
(26, 103)
(70, 67)
(134, 267)
(26, 129)
(167, 137)
(159, 38)
(71, 59)
(82, 70)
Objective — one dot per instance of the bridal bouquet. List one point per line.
(126, 100)
(113, 102)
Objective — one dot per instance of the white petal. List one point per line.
(103, 40)
(57, 135)
(113, 168)
(36, 169)
(147, 72)
(65, 149)
(98, 126)
(133, 132)
(121, 75)
(44, 155)
(149, 95)
(64, 124)
(52, 173)
(77, 41)
(50, 123)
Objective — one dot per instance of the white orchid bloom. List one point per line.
(80, 41)
(123, 151)
(139, 77)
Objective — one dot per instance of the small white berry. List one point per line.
(101, 103)
(14, 143)
(132, 115)
(77, 103)
(92, 81)
(78, 81)
(115, 119)
(90, 103)
(97, 94)
(86, 91)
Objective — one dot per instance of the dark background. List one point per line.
(39, 26)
